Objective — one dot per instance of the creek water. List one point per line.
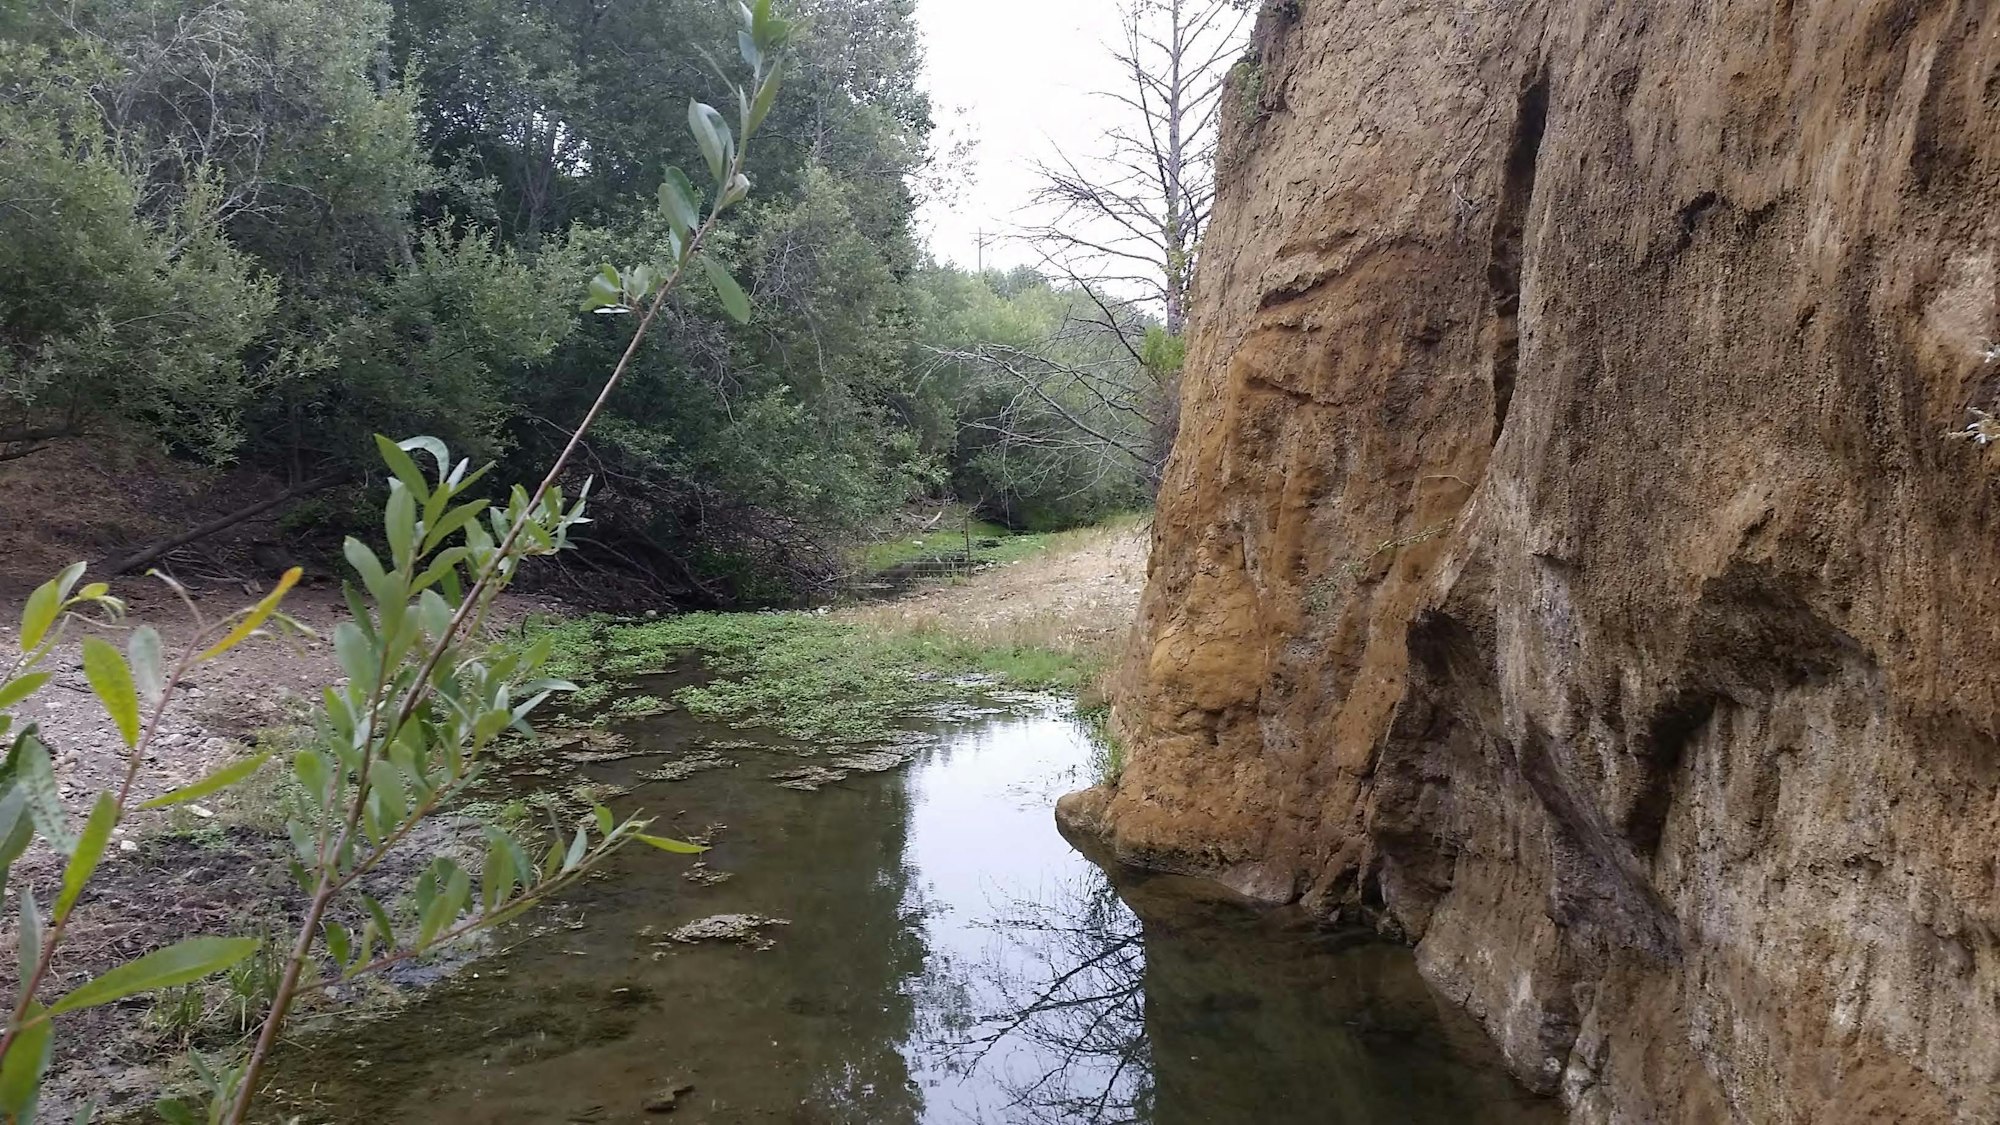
(947, 957)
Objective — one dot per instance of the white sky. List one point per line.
(1017, 76)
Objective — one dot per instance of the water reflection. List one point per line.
(1070, 978)
(950, 959)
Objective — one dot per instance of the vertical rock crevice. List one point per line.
(1701, 830)
(1508, 254)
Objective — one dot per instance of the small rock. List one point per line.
(739, 928)
(701, 873)
(200, 811)
(667, 1098)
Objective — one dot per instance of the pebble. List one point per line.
(667, 1098)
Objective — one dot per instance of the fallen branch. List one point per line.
(223, 523)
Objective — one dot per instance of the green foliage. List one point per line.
(263, 231)
(1047, 418)
(1107, 749)
(409, 728)
(112, 303)
(798, 674)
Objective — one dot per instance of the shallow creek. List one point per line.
(945, 957)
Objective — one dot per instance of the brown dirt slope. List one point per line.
(1562, 559)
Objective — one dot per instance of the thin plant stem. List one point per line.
(330, 881)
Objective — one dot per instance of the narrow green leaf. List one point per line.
(680, 202)
(355, 653)
(436, 448)
(21, 687)
(314, 775)
(21, 1070)
(711, 136)
(105, 668)
(457, 891)
(606, 291)
(220, 779)
(179, 963)
(339, 943)
(604, 821)
(357, 609)
(17, 829)
(379, 919)
(365, 564)
(433, 613)
(399, 524)
(386, 786)
(678, 847)
(436, 906)
(89, 853)
(37, 780)
(257, 615)
(453, 520)
(404, 467)
(767, 96)
(734, 302)
(444, 566)
(407, 753)
(45, 604)
(31, 932)
(148, 663)
(496, 873)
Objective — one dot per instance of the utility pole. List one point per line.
(979, 240)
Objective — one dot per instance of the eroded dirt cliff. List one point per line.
(1563, 560)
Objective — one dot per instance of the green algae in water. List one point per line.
(799, 675)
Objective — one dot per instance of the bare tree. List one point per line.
(1121, 227)
(1070, 987)
(1128, 220)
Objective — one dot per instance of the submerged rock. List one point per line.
(588, 746)
(680, 769)
(808, 778)
(702, 874)
(743, 929)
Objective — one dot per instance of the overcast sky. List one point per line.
(1016, 76)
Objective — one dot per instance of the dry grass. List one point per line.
(1078, 596)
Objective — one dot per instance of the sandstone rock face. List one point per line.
(1563, 560)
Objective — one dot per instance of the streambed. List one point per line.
(904, 945)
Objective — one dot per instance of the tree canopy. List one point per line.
(260, 231)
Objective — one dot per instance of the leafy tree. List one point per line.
(110, 309)
(408, 729)
(1045, 431)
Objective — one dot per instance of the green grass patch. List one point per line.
(992, 544)
(797, 673)
(947, 540)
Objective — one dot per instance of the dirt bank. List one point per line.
(211, 868)
(1563, 560)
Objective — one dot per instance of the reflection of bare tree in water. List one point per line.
(1063, 1023)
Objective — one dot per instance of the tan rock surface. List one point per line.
(1562, 560)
